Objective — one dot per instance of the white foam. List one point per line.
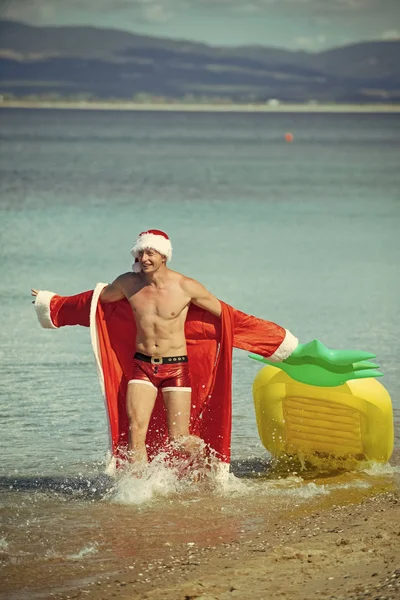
(136, 486)
(358, 483)
(166, 477)
(377, 469)
(3, 544)
(229, 484)
(86, 551)
(159, 480)
(295, 488)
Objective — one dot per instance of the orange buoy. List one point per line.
(289, 137)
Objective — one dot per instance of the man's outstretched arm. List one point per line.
(54, 311)
(201, 297)
(113, 291)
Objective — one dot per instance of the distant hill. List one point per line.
(101, 63)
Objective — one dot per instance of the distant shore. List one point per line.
(184, 107)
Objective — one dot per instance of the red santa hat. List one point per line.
(154, 239)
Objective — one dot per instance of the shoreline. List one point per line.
(345, 552)
(343, 546)
(218, 108)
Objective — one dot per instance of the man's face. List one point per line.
(150, 260)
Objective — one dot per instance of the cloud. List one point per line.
(310, 43)
(316, 10)
(29, 10)
(157, 13)
(42, 8)
(42, 11)
(314, 7)
(319, 12)
(393, 34)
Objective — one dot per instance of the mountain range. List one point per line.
(97, 63)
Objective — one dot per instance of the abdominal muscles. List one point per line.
(161, 336)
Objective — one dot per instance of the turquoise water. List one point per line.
(304, 234)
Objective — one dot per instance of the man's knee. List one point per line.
(137, 427)
(135, 423)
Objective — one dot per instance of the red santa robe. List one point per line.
(210, 341)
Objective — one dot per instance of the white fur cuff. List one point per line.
(42, 307)
(286, 348)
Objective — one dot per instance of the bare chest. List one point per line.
(167, 303)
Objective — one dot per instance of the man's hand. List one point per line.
(34, 293)
(315, 364)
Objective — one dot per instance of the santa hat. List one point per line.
(154, 239)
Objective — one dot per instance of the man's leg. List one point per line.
(178, 402)
(140, 401)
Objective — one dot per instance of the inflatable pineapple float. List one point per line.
(323, 403)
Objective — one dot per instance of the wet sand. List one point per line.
(344, 545)
(343, 553)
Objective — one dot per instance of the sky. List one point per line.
(311, 25)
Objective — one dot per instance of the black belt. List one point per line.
(161, 360)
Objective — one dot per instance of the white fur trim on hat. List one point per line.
(290, 343)
(150, 240)
(136, 267)
(42, 307)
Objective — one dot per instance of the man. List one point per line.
(140, 322)
(160, 299)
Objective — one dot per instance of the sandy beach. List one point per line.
(181, 107)
(347, 552)
(340, 546)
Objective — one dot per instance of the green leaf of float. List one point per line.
(312, 374)
(317, 349)
(315, 364)
(263, 360)
(365, 374)
(364, 365)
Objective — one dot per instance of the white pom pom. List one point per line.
(136, 267)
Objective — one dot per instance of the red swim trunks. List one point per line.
(170, 374)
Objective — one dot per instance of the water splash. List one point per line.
(135, 485)
(160, 479)
(169, 475)
(377, 469)
(309, 490)
(86, 551)
(3, 544)
(356, 484)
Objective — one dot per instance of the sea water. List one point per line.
(304, 234)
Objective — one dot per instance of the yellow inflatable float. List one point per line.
(350, 417)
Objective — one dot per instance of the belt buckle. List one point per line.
(156, 360)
